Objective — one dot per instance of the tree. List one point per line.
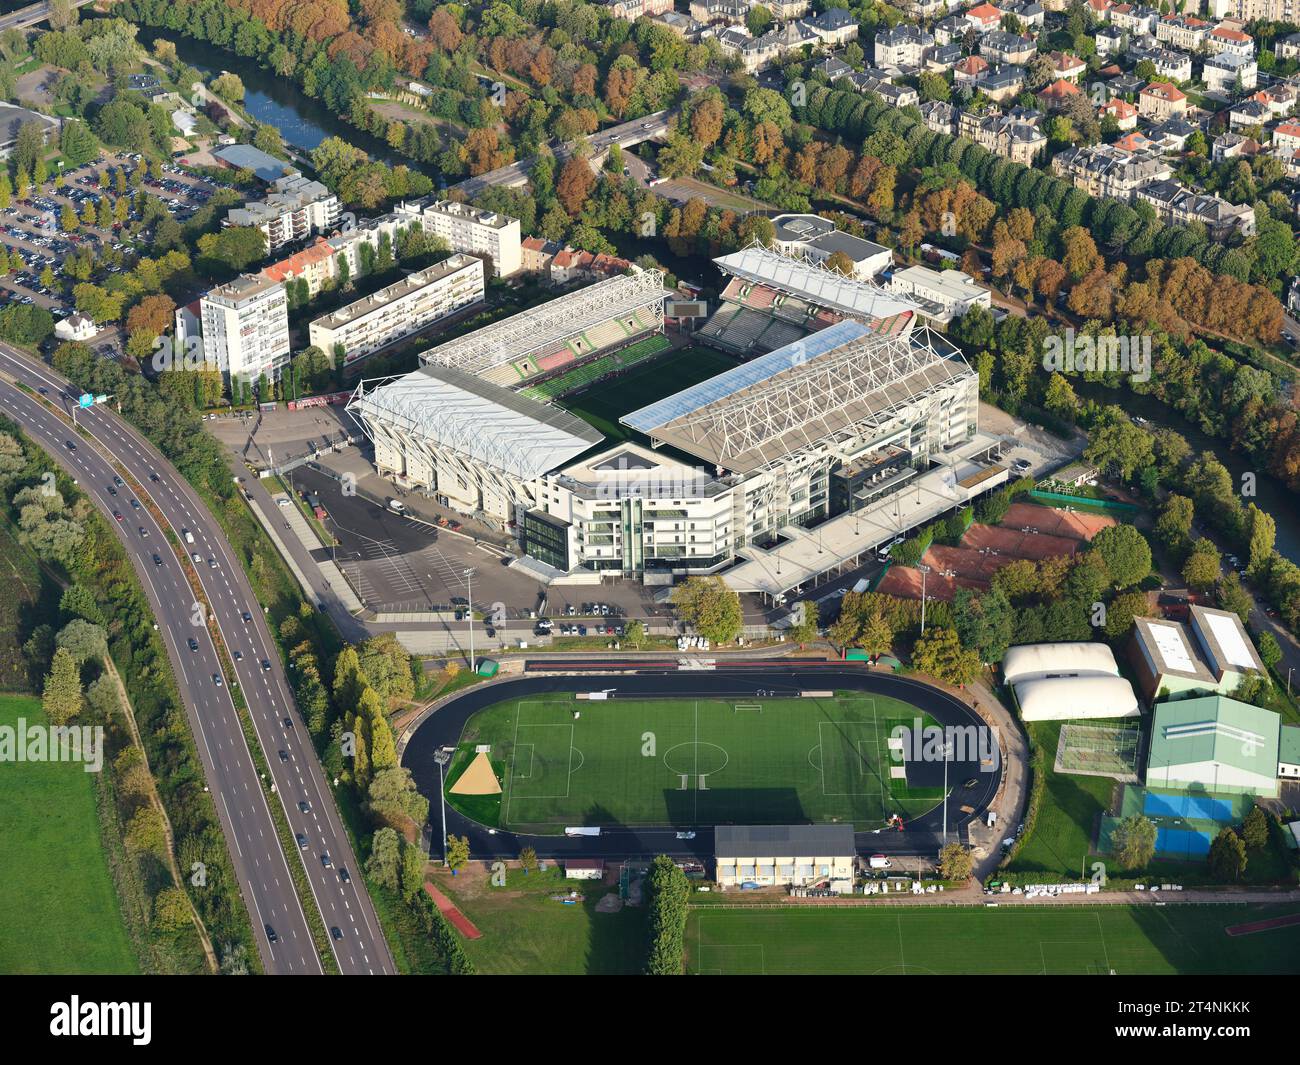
(384, 864)
(955, 862)
(1270, 651)
(1121, 612)
(667, 891)
(940, 653)
(710, 607)
(171, 910)
(84, 641)
(574, 186)
(1174, 524)
(634, 633)
(527, 859)
(804, 629)
(1126, 552)
(414, 862)
(1254, 829)
(457, 852)
(1227, 855)
(61, 697)
(1134, 842)
(1202, 569)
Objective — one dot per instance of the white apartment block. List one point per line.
(903, 46)
(1228, 71)
(245, 325)
(472, 230)
(296, 208)
(418, 300)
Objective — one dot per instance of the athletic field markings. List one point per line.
(515, 774)
(1104, 950)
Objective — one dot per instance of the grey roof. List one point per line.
(246, 157)
(779, 841)
(855, 248)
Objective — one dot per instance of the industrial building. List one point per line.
(412, 304)
(775, 855)
(1215, 744)
(1211, 654)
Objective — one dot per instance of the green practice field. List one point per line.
(1061, 940)
(58, 909)
(691, 762)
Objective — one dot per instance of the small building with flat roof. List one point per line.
(774, 855)
(1211, 654)
(1214, 744)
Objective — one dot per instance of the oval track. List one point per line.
(922, 836)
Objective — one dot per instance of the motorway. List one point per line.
(923, 835)
(260, 864)
(32, 14)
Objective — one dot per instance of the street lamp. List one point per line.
(469, 614)
(947, 748)
(442, 756)
(924, 570)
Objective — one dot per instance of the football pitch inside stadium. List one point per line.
(564, 761)
(1061, 940)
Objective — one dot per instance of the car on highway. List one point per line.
(135, 504)
(212, 563)
(239, 656)
(284, 756)
(335, 932)
(270, 934)
(246, 616)
(325, 860)
(302, 841)
(216, 679)
(304, 806)
(157, 559)
(70, 445)
(117, 516)
(288, 722)
(196, 558)
(154, 477)
(111, 490)
(194, 644)
(344, 875)
(118, 481)
(143, 531)
(266, 664)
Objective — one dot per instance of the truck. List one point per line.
(861, 586)
(580, 830)
(879, 861)
(189, 536)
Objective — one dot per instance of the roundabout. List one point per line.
(667, 756)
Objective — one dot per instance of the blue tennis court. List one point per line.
(1189, 807)
(1182, 843)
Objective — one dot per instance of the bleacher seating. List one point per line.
(605, 334)
(778, 334)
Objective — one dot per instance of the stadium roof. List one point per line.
(1029, 660)
(1217, 730)
(552, 322)
(1066, 698)
(829, 383)
(783, 841)
(480, 420)
(801, 277)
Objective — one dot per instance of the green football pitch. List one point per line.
(692, 762)
(1062, 940)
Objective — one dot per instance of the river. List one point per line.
(1271, 495)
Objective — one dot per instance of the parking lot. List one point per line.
(31, 226)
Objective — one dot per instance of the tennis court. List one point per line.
(1182, 843)
(1191, 807)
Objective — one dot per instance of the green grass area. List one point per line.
(602, 404)
(58, 908)
(689, 762)
(30, 598)
(1062, 837)
(1062, 940)
(525, 930)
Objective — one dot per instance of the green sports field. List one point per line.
(58, 909)
(691, 762)
(1061, 940)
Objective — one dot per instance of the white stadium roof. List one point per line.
(811, 281)
(1025, 661)
(550, 323)
(477, 419)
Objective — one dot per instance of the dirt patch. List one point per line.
(448, 909)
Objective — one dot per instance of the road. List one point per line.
(626, 134)
(32, 14)
(260, 864)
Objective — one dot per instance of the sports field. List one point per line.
(605, 402)
(1062, 940)
(692, 762)
(58, 909)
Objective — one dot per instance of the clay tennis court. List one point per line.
(1029, 531)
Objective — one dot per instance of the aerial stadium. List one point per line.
(839, 423)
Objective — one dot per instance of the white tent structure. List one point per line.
(1068, 681)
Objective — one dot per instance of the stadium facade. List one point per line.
(848, 423)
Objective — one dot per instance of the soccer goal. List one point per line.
(748, 708)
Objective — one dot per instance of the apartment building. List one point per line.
(1230, 39)
(903, 46)
(1176, 204)
(834, 26)
(1104, 170)
(316, 264)
(1001, 47)
(245, 327)
(1170, 65)
(1013, 136)
(711, 11)
(1229, 72)
(1186, 32)
(471, 230)
(1161, 100)
(631, 10)
(294, 209)
(418, 300)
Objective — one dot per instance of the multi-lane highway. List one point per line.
(242, 804)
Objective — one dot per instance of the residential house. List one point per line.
(1000, 47)
(1176, 204)
(1001, 84)
(1229, 72)
(903, 46)
(1067, 66)
(1123, 112)
(970, 70)
(1110, 41)
(1161, 100)
(1228, 39)
(1104, 170)
(1054, 96)
(983, 18)
(1248, 113)
(835, 26)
